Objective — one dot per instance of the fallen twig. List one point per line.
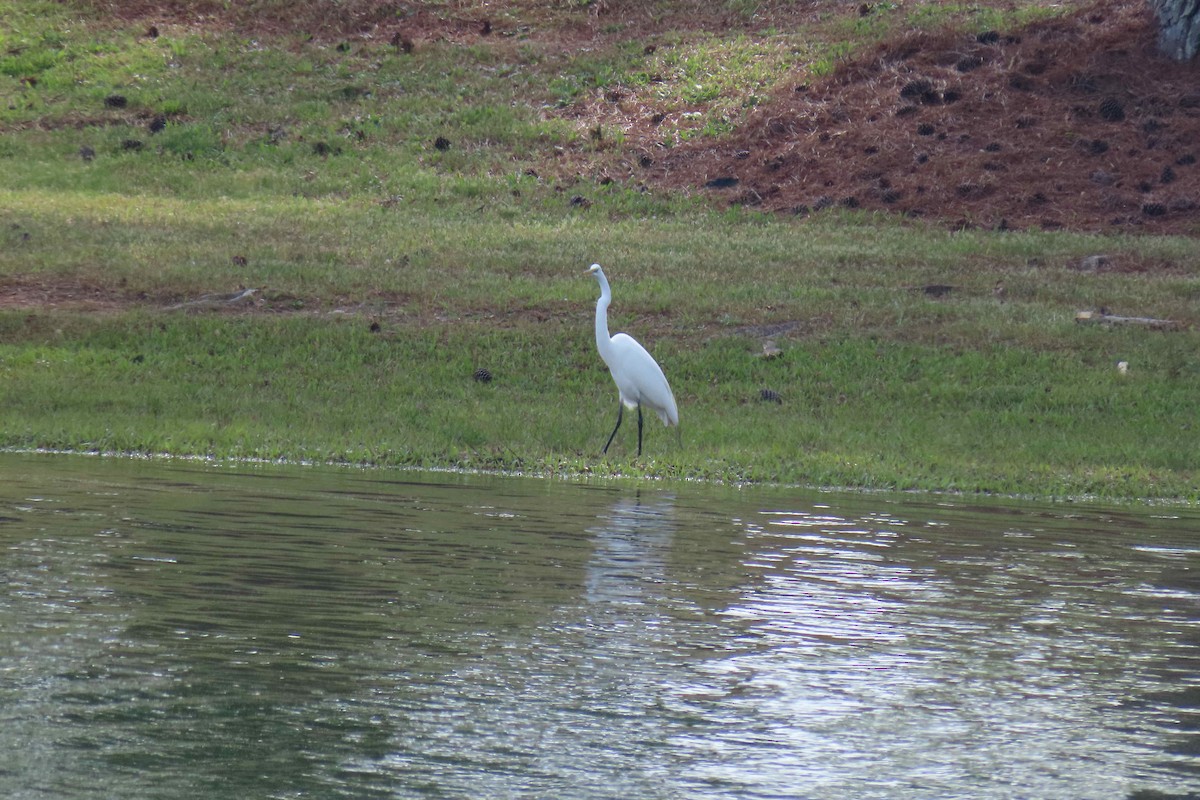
(1104, 318)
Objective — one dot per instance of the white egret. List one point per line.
(640, 381)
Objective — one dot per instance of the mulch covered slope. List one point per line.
(1073, 123)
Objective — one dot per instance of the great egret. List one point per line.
(640, 381)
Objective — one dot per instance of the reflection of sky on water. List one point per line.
(889, 658)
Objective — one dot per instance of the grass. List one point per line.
(855, 413)
(388, 269)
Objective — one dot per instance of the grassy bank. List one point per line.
(387, 270)
(352, 350)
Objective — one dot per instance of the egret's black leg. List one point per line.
(639, 429)
(620, 413)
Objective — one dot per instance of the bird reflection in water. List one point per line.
(631, 552)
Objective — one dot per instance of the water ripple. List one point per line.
(197, 631)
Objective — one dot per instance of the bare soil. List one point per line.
(1074, 124)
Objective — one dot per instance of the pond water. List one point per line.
(199, 631)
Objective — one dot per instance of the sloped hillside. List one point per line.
(1071, 123)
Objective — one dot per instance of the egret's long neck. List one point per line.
(603, 340)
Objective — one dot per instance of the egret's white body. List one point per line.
(640, 380)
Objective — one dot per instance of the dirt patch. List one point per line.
(1075, 123)
(57, 294)
(567, 24)
(405, 24)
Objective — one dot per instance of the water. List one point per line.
(194, 631)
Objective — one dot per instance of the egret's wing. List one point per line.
(640, 379)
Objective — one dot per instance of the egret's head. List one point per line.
(593, 269)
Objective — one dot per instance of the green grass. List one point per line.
(855, 412)
(882, 386)
(387, 270)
